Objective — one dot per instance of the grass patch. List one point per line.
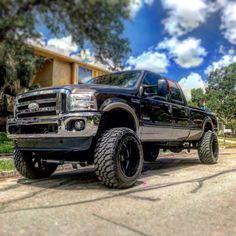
(6, 165)
(6, 144)
(221, 143)
(228, 138)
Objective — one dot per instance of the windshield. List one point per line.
(126, 79)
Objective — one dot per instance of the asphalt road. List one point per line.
(174, 196)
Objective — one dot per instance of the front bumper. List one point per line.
(61, 139)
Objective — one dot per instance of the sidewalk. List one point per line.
(6, 156)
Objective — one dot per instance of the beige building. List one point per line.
(62, 70)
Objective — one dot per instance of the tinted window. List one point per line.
(123, 79)
(175, 92)
(152, 79)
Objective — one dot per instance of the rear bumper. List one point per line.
(60, 138)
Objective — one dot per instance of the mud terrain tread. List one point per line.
(104, 154)
(24, 168)
(205, 150)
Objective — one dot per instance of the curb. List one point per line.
(6, 154)
(6, 158)
(8, 174)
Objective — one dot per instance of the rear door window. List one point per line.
(175, 93)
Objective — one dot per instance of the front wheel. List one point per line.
(31, 166)
(118, 158)
(208, 148)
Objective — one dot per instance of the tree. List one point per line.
(221, 93)
(17, 66)
(98, 22)
(198, 97)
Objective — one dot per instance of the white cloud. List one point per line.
(193, 81)
(184, 15)
(150, 60)
(63, 45)
(216, 5)
(224, 61)
(187, 53)
(39, 41)
(136, 5)
(66, 46)
(87, 56)
(228, 24)
(222, 49)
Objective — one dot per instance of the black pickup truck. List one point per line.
(114, 121)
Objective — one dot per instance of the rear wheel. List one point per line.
(118, 158)
(31, 166)
(150, 152)
(208, 149)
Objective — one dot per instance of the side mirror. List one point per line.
(141, 90)
(163, 87)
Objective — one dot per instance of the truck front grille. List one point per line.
(33, 129)
(40, 104)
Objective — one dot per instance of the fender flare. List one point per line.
(206, 121)
(121, 105)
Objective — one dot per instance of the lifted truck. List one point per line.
(114, 121)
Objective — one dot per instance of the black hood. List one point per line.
(95, 87)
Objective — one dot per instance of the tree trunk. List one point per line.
(6, 108)
(3, 123)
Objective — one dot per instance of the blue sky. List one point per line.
(181, 39)
(147, 30)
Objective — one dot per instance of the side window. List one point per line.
(84, 74)
(151, 82)
(175, 92)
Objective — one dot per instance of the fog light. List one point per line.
(79, 125)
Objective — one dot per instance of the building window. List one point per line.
(84, 74)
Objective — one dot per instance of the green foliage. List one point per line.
(6, 145)
(98, 22)
(198, 97)
(4, 138)
(17, 62)
(6, 165)
(220, 94)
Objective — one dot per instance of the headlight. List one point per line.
(80, 101)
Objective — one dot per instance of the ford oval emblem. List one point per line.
(33, 106)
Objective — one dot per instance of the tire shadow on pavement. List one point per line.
(85, 178)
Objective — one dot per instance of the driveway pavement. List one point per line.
(176, 195)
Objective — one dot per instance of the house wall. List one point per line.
(60, 69)
(62, 72)
(56, 72)
(44, 76)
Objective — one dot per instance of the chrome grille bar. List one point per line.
(49, 100)
(48, 103)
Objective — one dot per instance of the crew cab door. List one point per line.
(156, 117)
(180, 112)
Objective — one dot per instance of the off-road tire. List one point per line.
(150, 152)
(208, 148)
(107, 157)
(24, 165)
